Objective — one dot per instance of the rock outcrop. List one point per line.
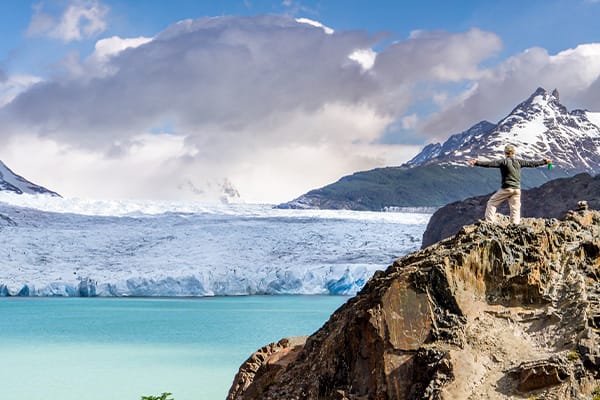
(259, 370)
(550, 200)
(494, 312)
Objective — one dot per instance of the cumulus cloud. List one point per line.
(409, 122)
(12, 86)
(98, 63)
(432, 58)
(439, 56)
(80, 20)
(106, 48)
(575, 72)
(317, 24)
(364, 57)
(209, 75)
(272, 105)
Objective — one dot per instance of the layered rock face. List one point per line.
(495, 312)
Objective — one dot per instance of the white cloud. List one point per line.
(12, 86)
(269, 104)
(364, 57)
(440, 98)
(109, 47)
(170, 167)
(439, 56)
(410, 121)
(146, 163)
(575, 72)
(41, 24)
(98, 63)
(81, 19)
(317, 24)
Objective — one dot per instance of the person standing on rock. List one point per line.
(510, 168)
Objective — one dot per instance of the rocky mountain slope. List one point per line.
(11, 182)
(495, 312)
(539, 127)
(550, 200)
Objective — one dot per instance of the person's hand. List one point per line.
(472, 162)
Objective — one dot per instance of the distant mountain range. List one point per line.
(539, 127)
(11, 182)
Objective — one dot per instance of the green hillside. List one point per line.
(423, 186)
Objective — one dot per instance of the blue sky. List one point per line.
(268, 99)
(552, 24)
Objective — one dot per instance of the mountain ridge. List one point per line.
(11, 182)
(539, 127)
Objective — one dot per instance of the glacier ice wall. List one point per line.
(196, 251)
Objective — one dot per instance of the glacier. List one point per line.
(52, 246)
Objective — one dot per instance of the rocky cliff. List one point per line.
(494, 312)
(550, 200)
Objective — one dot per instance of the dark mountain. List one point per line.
(539, 127)
(436, 152)
(11, 182)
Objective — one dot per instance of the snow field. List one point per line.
(193, 250)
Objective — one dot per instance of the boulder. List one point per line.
(551, 200)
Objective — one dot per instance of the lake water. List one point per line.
(120, 348)
(123, 348)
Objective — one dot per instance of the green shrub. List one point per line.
(164, 396)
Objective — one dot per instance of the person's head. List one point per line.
(509, 150)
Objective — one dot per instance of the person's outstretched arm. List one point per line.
(486, 164)
(537, 163)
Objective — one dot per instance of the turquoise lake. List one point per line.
(123, 348)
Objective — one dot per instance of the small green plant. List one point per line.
(596, 393)
(573, 356)
(164, 396)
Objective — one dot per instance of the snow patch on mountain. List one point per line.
(539, 127)
(593, 117)
(9, 181)
(452, 146)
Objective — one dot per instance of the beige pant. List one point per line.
(514, 204)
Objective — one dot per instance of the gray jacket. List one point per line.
(510, 168)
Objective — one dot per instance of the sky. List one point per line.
(262, 101)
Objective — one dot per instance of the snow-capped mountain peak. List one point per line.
(540, 103)
(9, 181)
(437, 151)
(539, 127)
